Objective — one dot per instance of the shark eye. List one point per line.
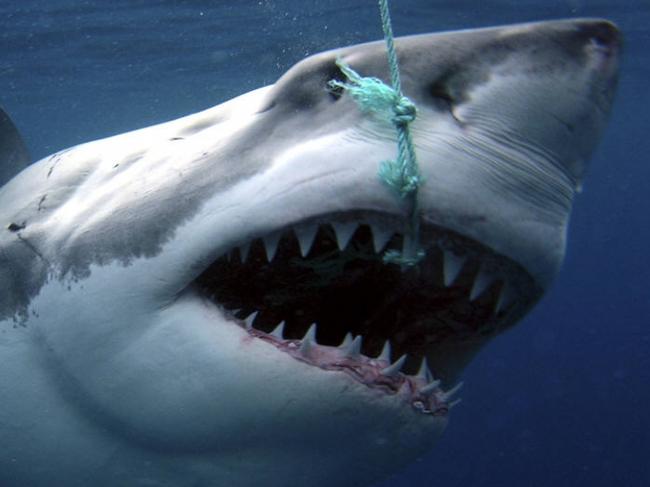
(440, 92)
(444, 100)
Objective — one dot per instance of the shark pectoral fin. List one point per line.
(13, 153)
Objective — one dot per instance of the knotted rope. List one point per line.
(388, 102)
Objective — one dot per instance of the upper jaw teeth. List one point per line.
(452, 263)
(344, 232)
(271, 245)
(243, 251)
(305, 234)
(380, 236)
(483, 280)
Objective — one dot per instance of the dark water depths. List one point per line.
(562, 399)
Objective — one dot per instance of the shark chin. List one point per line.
(205, 301)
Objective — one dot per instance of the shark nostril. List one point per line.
(444, 100)
(601, 33)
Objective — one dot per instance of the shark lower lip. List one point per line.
(329, 272)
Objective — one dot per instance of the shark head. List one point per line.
(205, 301)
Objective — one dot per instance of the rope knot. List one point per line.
(404, 111)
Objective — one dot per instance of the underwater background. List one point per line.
(563, 399)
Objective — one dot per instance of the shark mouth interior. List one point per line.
(321, 291)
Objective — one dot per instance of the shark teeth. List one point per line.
(506, 297)
(250, 319)
(314, 271)
(430, 387)
(306, 235)
(445, 396)
(271, 245)
(344, 232)
(347, 340)
(420, 389)
(380, 236)
(454, 403)
(353, 350)
(309, 340)
(423, 371)
(483, 280)
(243, 251)
(278, 331)
(393, 369)
(385, 353)
(452, 265)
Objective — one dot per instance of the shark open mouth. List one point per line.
(321, 291)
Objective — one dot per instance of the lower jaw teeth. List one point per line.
(421, 390)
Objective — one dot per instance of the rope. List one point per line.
(388, 102)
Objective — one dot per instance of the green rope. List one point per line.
(402, 175)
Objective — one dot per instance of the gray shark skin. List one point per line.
(158, 288)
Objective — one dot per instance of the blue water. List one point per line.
(561, 400)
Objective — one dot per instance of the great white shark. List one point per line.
(204, 302)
